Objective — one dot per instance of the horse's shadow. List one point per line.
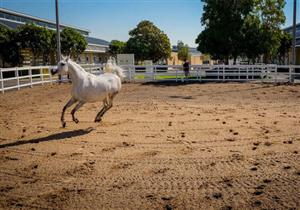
(52, 137)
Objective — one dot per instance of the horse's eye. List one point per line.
(62, 64)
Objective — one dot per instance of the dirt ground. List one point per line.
(191, 146)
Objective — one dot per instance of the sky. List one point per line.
(113, 19)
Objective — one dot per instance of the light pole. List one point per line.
(294, 39)
(58, 55)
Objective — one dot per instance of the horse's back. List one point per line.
(111, 81)
(96, 88)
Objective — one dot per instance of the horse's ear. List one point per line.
(62, 57)
(67, 58)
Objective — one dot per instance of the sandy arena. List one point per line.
(193, 146)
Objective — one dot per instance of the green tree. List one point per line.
(50, 53)
(148, 42)
(35, 38)
(183, 51)
(9, 48)
(72, 42)
(117, 47)
(241, 28)
(285, 46)
(271, 15)
(223, 21)
(252, 33)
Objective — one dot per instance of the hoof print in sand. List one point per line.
(217, 195)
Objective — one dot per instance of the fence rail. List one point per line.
(16, 78)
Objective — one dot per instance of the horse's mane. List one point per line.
(110, 67)
(77, 65)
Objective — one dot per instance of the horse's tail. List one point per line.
(111, 67)
(119, 71)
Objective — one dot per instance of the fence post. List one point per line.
(276, 72)
(50, 76)
(2, 83)
(265, 68)
(42, 75)
(18, 79)
(130, 72)
(247, 76)
(200, 77)
(223, 73)
(154, 73)
(290, 74)
(30, 76)
(176, 75)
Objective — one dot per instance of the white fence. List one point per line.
(16, 78)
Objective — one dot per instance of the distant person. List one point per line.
(186, 69)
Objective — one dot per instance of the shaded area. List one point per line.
(172, 83)
(53, 137)
(182, 97)
(168, 83)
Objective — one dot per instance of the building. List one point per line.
(196, 57)
(96, 51)
(290, 30)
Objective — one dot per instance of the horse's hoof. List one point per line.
(76, 121)
(64, 124)
(98, 120)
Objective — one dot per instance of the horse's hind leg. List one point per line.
(100, 113)
(98, 116)
(108, 103)
(80, 104)
(70, 103)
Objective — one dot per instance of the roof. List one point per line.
(96, 48)
(192, 50)
(291, 27)
(96, 41)
(297, 42)
(290, 30)
(15, 24)
(10, 24)
(39, 19)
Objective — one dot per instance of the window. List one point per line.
(26, 20)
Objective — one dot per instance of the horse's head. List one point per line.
(109, 66)
(62, 67)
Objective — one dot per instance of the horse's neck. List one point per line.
(76, 73)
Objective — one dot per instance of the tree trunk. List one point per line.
(2, 61)
(226, 60)
(234, 60)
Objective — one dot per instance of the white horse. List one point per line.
(87, 87)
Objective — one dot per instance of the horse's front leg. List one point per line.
(70, 103)
(80, 104)
(102, 111)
